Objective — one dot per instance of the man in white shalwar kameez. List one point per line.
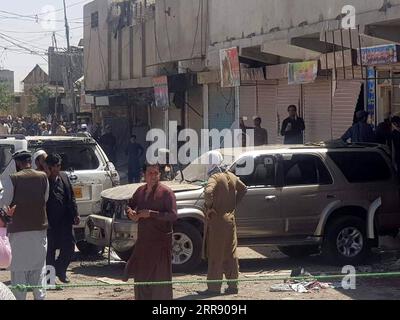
(29, 192)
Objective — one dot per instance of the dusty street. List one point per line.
(254, 263)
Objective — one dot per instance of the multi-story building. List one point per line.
(7, 79)
(128, 43)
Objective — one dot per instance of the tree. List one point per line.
(40, 104)
(6, 98)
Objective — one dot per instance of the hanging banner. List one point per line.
(385, 54)
(230, 67)
(161, 93)
(371, 93)
(302, 72)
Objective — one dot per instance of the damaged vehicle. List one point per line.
(332, 198)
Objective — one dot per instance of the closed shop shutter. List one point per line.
(221, 112)
(286, 95)
(317, 100)
(266, 110)
(248, 102)
(344, 104)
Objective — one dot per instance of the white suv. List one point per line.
(86, 164)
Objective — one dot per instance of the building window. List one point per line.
(95, 19)
(17, 100)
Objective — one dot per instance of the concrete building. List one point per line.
(7, 79)
(127, 43)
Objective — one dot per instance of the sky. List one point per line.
(28, 25)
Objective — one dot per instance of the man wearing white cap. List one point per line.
(223, 192)
(28, 229)
(39, 161)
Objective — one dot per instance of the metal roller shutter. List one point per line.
(344, 104)
(266, 110)
(248, 102)
(317, 101)
(286, 96)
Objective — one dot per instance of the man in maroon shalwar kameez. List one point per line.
(153, 206)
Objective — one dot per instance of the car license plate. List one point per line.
(78, 192)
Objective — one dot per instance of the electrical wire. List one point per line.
(166, 29)
(197, 29)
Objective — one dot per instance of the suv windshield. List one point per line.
(74, 156)
(196, 172)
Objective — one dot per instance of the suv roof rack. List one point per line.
(341, 144)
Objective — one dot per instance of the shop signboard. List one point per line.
(386, 54)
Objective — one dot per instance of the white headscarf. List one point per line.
(35, 156)
(215, 159)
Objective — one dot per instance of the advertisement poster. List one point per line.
(302, 72)
(385, 54)
(230, 68)
(161, 93)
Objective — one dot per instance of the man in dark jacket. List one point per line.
(293, 127)
(62, 214)
(396, 142)
(361, 132)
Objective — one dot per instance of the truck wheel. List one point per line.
(187, 246)
(88, 249)
(345, 241)
(299, 251)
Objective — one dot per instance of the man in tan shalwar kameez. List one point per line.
(153, 207)
(223, 192)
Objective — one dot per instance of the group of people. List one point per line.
(42, 211)
(386, 133)
(154, 208)
(292, 130)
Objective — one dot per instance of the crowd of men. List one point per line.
(41, 211)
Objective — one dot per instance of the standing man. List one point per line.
(222, 194)
(109, 143)
(384, 132)
(134, 152)
(396, 142)
(63, 214)
(293, 127)
(260, 134)
(153, 207)
(361, 132)
(27, 232)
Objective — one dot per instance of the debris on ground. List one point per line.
(301, 287)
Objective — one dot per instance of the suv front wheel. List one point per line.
(346, 242)
(187, 245)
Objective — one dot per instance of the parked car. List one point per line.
(333, 198)
(86, 164)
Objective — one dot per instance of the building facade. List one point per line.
(129, 43)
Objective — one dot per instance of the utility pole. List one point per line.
(54, 41)
(70, 85)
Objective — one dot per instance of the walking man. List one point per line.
(222, 194)
(153, 207)
(134, 152)
(63, 214)
(293, 127)
(109, 143)
(27, 232)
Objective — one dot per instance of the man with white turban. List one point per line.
(39, 161)
(223, 192)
